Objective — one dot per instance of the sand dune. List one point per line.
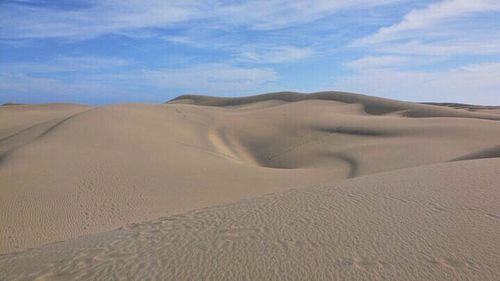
(71, 170)
(412, 224)
(470, 107)
(371, 105)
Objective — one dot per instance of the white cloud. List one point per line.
(430, 16)
(428, 55)
(370, 62)
(273, 54)
(202, 78)
(37, 80)
(273, 14)
(126, 16)
(475, 83)
(24, 82)
(66, 64)
(20, 87)
(451, 47)
(441, 29)
(101, 17)
(179, 39)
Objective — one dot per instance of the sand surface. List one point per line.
(273, 187)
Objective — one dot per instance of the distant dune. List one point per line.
(470, 107)
(371, 105)
(281, 186)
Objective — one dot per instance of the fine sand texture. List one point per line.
(282, 186)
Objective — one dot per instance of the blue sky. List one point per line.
(114, 51)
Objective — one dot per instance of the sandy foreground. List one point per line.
(284, 186)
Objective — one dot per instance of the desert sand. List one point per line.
(282, 186)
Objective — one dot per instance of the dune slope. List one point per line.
(410, 224)
(70, 170)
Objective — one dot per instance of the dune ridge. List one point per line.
(71, 171)
(372, 105)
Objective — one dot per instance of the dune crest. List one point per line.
(371, 105)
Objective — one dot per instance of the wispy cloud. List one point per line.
(474, 45)
(18, 20)
(64, 64)
(376, 62)
(202, 78)
(273, 14)
(267, 54)
(445, 28)
(473, 83)
(447, 50)
(432, 15)
(97, 18)
(92, 77)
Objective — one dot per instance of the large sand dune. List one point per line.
(251, 188)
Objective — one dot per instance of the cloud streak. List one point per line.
(96, 77)
(447, 50)
(473, 83)
(98, 18)
(432, 15)
(102, 17)
(268, 54)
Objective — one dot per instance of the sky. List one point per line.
(119, 51)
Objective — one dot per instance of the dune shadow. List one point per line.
(491, 152)
(351, 161)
